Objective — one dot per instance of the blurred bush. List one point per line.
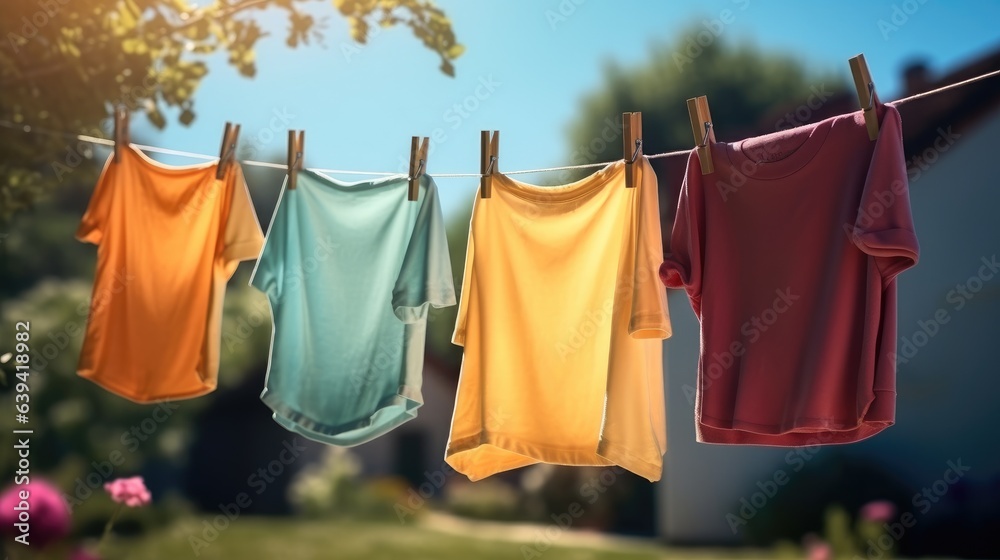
(486, 499)
(817, 499)
(332, 487)
(328, 486)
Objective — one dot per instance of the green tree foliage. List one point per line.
(742, 83)
(62, 62)
(73, 418)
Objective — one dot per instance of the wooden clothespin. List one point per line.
(121, 131)
(418, 164)
(490, 155)
(227, 153)
(632, 144)
(866, 93)
(296, 151)
(704, 131)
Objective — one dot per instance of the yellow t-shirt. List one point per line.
(561, 316)
(168, 240)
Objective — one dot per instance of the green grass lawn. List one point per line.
(254, 538)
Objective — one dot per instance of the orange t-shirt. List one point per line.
(169, 238)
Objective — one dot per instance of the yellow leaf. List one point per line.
(126, 19)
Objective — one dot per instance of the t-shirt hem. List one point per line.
(388, 414)
(888, 243)
(650, 326)
(93, 236)
(894, 250)
(525, 453)
(651, 471)
(243, 250)
(131, 394)
(392, 423)
(411, 308)
(673, 276)
(801, 432)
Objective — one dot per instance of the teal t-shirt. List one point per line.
(349, 270)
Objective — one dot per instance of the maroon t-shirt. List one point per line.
(789, 253)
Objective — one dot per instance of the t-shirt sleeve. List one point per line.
(683, 266)
(95, 219)
(242, 238)
(269, 271)
(425, 276)
(884, 224)
(649, 316)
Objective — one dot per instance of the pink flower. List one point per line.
(878, 511)
(819, 550)
(83, 554)
(48, 514)
(129, 491)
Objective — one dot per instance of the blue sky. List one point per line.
(526, 67)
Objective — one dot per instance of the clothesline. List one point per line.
(170, 151)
